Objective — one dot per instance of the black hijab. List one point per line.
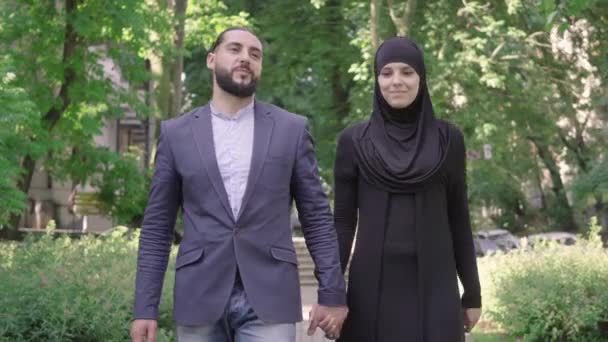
(401, 148)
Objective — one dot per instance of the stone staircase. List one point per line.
(309, 285)
(305, 264)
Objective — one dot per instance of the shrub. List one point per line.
(59, 289)
(549, 293)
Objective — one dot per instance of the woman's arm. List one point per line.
(345, 196)
(460, 225)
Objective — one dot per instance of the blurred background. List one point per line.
(85, 83)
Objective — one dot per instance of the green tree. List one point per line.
(499, 71)
(508, 82)
(16, 124)
(56, 47)
(309, 75)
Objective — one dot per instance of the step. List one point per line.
(306, 265)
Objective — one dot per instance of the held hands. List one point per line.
(328, 318)
(470, 318)
(143, 330)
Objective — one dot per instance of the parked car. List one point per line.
(484, 247)
(493, 240)
(563, 238)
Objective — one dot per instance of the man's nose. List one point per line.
(244, 58)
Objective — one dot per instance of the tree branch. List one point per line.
(373, 24)
(403, 23)
(71, 41)
(178, 64)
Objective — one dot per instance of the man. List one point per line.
(234, 166)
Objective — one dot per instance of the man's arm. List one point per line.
(320, 235)
(164, 200)
(317, 223)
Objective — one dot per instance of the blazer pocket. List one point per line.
(283, 254)
(188, 258)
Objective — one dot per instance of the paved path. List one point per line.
(309, 297)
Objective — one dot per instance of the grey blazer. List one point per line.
(258, 242)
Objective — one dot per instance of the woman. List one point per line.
(401, 174)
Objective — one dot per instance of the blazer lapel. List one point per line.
(203, 136)
(262, 132)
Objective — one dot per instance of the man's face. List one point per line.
(237, 63)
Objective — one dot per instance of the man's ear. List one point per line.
(211, 61)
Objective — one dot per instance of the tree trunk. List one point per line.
(178, 64)
(340, 80)
(539, 183)
(582, 155)
(566, 220)
(50, 119)
(402, 23)
(601, 212)
(374, 7)
(163, 88)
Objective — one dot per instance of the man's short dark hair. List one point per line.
(220, 37)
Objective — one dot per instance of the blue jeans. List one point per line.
(239, 323)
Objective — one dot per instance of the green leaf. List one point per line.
(550, 19)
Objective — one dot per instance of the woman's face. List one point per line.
(399, 84)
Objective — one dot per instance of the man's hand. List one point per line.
(143, 330)
(470, 318)
(328, 318)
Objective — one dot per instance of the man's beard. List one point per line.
(225, 81)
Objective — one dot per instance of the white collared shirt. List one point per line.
(233, 142)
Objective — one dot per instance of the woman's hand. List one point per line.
(470, 318)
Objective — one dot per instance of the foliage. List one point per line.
(204, 22)
(59, 289)
(123, 188)
(549, 293)
(16, 125)
(308, 76)
(57, 54)
(525, 77)
(593, 183)
(495, 69)
(554, 9)
(497, 74)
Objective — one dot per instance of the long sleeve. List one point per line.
(317, 224)
(460, 225)
(157, 231)
(345, 196)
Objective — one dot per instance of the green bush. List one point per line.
(60, 289)
(548, 293)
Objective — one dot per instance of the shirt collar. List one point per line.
(245, 111)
